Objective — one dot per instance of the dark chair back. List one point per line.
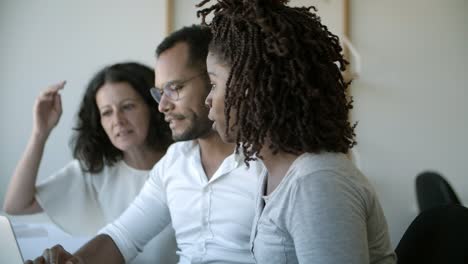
(432, 190)
(438, 235)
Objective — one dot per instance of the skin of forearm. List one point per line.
(100, 250)
(19, 198)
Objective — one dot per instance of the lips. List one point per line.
(123, 133)
(209, 116)
(213, 126)
(169, 118)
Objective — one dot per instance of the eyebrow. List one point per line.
(169, 82)
(131, 99)
(212, 73)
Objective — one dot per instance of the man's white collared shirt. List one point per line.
(212, 218)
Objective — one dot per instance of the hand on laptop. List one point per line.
(56, 255)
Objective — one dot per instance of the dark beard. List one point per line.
(198, 129)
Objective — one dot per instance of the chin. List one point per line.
(178, 135)
(122, 147)
(127, 145)
(184, 136)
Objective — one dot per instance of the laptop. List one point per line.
(9, 250)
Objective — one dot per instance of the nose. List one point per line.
(165, 104)
(119, 117)
(209, 99)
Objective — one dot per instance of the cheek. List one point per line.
(143, 121)
(218, 104)
(144, 127)
(106, 126)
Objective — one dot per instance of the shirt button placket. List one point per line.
(206, 207)
(205, 214)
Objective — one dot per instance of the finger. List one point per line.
(39, 260)
(58, 102)
(55, 253)
(72, 261)
(58, 86)
(44, 253)
(52, 256)
(48, 96)
(45, 100)
(75, 260)
(47, 256)
(54, 88)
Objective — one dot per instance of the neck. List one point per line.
(142, 159)
(277, 166)
(213, 151)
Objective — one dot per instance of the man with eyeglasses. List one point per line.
(200, 185)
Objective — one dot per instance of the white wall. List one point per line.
(185, 13)
(410, 98)
(45, 41)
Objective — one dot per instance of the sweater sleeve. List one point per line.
(145, 218)
(70, 201)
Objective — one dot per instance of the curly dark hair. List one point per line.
(90, 143)
(285, 82)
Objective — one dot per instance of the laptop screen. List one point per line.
(9, 250)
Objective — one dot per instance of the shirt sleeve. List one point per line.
(70, 201)
(327, 220)
(145, 218)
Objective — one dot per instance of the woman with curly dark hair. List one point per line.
(278, 92)
(118, 138)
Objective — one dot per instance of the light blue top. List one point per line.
(324, 211)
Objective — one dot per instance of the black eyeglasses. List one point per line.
(171, 89)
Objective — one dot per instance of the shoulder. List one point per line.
(181, 148)
(178, 154)
(327, 168)
(120, 168)
(117, 172)
(329, 178)
(72, 168)
(109, 173)
(70, 174)
(178, 150)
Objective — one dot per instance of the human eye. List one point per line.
(106, 113)
(175, 86)
(212, 86)
(128, 106)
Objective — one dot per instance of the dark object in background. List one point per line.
(432, 190)
(438, 235)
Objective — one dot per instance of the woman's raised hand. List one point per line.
(47, 110)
